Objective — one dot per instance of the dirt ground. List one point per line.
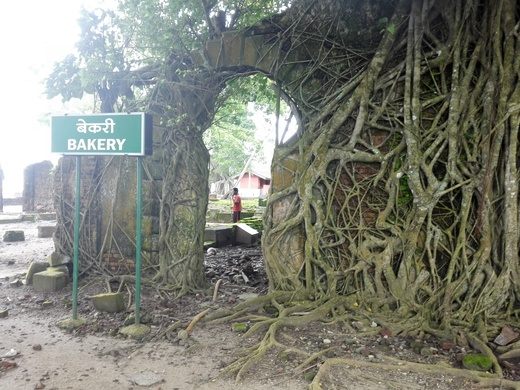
(36, 354)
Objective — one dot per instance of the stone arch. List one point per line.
(243, 52)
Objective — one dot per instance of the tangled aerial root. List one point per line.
(484, 380)
(294, 311)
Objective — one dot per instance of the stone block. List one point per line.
(61, 268)
(28, 217)
(252, 47)
(56, 259)
(245, 234)
(34, 268)
(233, 44)
(220, 235)
(14, 235)
(46, 231)
(214, 53)
(6, 220)
(109, 302)
(49, 281)
(47, 216)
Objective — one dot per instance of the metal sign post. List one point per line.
(138, 239)
(105, 134)
(75, 260)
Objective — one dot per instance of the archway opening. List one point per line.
(253, 117)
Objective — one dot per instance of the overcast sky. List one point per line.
(34, 34)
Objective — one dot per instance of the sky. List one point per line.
(34, 34)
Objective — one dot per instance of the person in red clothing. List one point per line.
(237, 205)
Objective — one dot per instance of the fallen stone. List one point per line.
(11, 262)
(11, 353)
(506, 336)
(109, 302)
(49, 281)
(245, 234)
(14, 235)
(240, 327)
(56, 259)
(46, 231)
(146, 379)
(4, 313)
(135, 331)
(37, 347)
(70, 323)
(477, 362)
(35, 267)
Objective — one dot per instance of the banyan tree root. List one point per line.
(185, 333)
(484, 380)
(298, 313)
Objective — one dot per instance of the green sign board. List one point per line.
(102, 134)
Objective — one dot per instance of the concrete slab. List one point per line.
(220, 235)
(245, 234)
(46, 231)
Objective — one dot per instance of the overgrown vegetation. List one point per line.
(403, 198)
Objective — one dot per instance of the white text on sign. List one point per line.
(98, 144)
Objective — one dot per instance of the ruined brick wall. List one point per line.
(37, 188)
(108, 187)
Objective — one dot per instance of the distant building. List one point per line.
(252, 184)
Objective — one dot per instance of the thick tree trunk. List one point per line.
(183, 210)
(405, 189)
